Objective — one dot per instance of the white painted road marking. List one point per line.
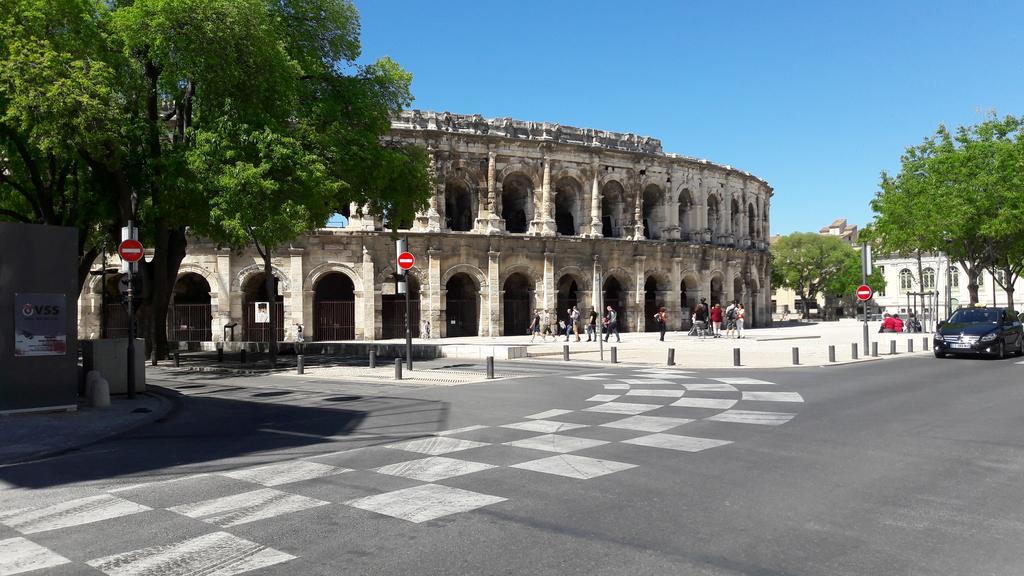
(460, 430)
(71, 513)
(742, 381)
(556, 443)
(215, 554)
(548, 414)
(675, 442)
(433, 468)
(247, 507)
(661, 393)
(711, 387)
(284, 472)
(753, 417)
(595, 376)
(572, 466)
(546, 426)
(773, 396)
(642, 381)
(647, 423)
(715, 403)
(436, 446)
(623, 408)
(155, 483)
(602, 398)
(422, 503)
(18, 555)
(616, 386)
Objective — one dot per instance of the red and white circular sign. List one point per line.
(864, 292)
(131, 250)
(406, 260)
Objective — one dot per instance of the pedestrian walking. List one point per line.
(534, 328)
(730, 319)
(611, 323)
(425, 329)
(741, 315)
(574, 319)
(661, 318)
(298, 333)
(562, 329)
(592, 325)
(545, 320)
(716, 320)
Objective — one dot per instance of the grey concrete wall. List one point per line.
(38, 259)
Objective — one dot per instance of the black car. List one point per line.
(980, 330)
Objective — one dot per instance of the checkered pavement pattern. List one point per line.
(415, 480)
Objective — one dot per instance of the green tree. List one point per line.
(811, 264)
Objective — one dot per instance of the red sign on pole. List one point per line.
(864, 293)
(131, 250)
(406, 260)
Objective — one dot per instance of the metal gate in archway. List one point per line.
(335, 320)
(461, 316)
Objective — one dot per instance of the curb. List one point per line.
(169, 405)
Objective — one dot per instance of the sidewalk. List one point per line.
(36, 435)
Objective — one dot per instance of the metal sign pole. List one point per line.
(130, 297)
(865, 256)
(408, 315)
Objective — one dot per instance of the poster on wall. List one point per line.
(262, 312)
(40, 325)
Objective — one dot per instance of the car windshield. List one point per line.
(975, 316)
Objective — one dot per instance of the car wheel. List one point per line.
(1020, 346)
(1001, 350)
(940, 354)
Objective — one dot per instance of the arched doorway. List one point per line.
(515, 304)
(458, 207)
(654, 213)
(334, 305)
(568, 296)
(461, 303)
(612, 207)
(517, 203)
(189, 318)
(567, 207)
(651, 304)
(615, 296)
(687, 299)
(254, 295)
(392, 311)
(716, 291)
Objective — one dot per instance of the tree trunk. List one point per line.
(271, 287)
(85, 260)
(972, 284)
(160, 275)
(1009, 278)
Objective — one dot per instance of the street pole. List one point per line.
(865, 259)
(600, 314)
(408, 317)
(130, 297)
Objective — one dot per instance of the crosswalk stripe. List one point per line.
(247, 507)
(215, 554)
(18, 555)
(71, 513)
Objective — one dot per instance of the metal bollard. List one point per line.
(853, 351)
(615, 355)
(241, 356)
(910, 344)
(398, 368)
(299, 364)
(490, 367)
(831, 353)
(220, 354)
(892, 347)
(373, 358)
(735, 356)
(796, 355)
(924, 343)
(153, 357)
(177, 359)
(565, 352)
(671, 356)
(874, 349)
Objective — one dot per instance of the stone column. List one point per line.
(638, 212)
(222, 315)
(366, 310)
(493, 294)
(549, 282)
(433, 294)
(674, 302)
(543, 223)
(638, 300)
(595, 206)
(598, 291)
(297, 312)
(487, 220)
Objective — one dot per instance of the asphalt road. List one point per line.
(905, 466)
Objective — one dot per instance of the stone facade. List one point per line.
(524, 215)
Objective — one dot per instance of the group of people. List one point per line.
(733, 316)
(541, 325)
(892, 323)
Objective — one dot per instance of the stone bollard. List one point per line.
(874, 349)
(398, 368)
(831, 353)
(853, 351)
(241, 356)
(615, 355)
(735, 356)
(177, 359)
(671, 356)
(892, 347)
(373, 358)
(300, 365)
(220, 351)
(910, 344)
(796, 355)
(98, 390)
(924, 344)
(490, 367)
(565, 352)
(153, 358)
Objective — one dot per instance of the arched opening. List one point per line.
(716, 291)
(515, 304)
(615, 296)
(567, 297)
(458, 207)
(517, 203)
(189, 318)
(255, 301)
(612, 204)
(685, 207)
(714, 215)
(651, 304)
(736, 218)
(461, 302)
(687, 299)
(654, 212)
(334, 305)
(752, 230)
(392, 311)
(567, 206)
(115, 316)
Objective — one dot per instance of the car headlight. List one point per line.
(989, 337)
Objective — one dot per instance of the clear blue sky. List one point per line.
(815, 97)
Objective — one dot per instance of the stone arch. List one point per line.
(334, 300)
(460, 203)
(613, 208)
(689, 289)
(473, 272)
(654, 220)
(656, 285)
(568, 205)
(714, 213)
(567, 295)
(581, 277)
(212, 279)
(190, 312)
(735, 218)
(517, 297)
(615, 293)
(314, 275)
(517, 201)
(525, 269)
(243, 276)
(461, 302)
(685, 205)
(528, 170)
(388, 273)
(752, 229)
(253, 289)
(717, 288)
(392, 304)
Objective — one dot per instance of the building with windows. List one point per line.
(524, 215)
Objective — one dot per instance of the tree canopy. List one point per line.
(811, 264)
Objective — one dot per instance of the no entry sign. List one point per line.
(406, 260)
(131, 250)
(864, 293)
